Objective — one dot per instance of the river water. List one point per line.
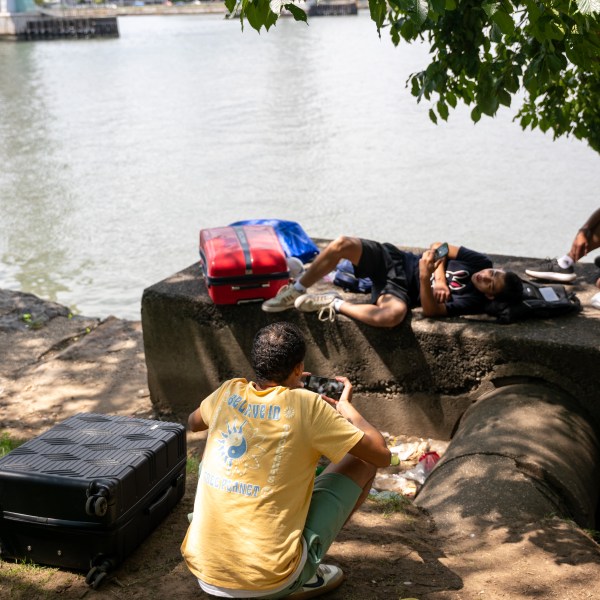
(114, 153)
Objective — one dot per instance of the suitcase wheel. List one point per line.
(95, 577)
(98, 573)
(96, 505)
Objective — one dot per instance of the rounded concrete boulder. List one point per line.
(522, 452)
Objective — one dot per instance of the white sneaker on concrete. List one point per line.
(321, 303)
(595, 301)
(283, 300)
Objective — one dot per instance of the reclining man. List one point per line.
(461, 283)
(262, 522)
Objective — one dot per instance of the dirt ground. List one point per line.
(53, 366)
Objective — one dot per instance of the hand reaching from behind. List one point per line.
(580, 246)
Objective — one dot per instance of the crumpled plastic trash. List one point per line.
(422, 469)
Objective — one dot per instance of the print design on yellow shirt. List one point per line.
(278, 454)
(240, 447)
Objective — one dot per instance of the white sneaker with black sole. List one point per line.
(326, 579)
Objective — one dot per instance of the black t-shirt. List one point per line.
(466, 298)
(395, 271)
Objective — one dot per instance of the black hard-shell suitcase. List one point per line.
(84, 494)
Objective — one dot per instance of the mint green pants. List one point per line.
(333, 499)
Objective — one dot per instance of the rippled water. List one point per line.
(114, 153)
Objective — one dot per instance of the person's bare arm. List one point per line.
(431, 306)
(441, 291)
(372, 447)
(195, 421)
(581, 244)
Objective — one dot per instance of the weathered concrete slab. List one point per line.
(191, 346)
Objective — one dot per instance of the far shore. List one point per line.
(206, 7)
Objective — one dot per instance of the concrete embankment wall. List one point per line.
(192, 345)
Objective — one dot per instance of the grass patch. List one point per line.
(22, 580)
(390, 502)
(192, 465)
(7, 444)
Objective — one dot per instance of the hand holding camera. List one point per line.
(326, 386)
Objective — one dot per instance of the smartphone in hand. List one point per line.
(332, 388)
(441, 251)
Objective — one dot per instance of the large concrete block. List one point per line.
(191, 346)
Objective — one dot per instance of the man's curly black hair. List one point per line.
(276, 350)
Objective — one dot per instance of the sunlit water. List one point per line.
(114, 153)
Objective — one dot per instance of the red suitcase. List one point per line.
(242, 263)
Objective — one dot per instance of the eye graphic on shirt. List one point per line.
(457, 280)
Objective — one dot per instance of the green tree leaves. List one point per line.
(262, 13)
(485, 51)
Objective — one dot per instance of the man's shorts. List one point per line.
(333, 499)
(387, 268)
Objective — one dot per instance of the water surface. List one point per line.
(114, 153)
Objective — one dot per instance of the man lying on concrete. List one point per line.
(460, 283)
(262, 523)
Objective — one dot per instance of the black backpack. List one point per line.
(538, 301)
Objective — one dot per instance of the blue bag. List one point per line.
(346, 279)
(293, 238)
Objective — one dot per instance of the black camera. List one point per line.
(331, 388)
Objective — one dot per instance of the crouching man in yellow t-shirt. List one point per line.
(262, 523)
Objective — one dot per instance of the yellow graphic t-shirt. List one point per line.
(256, 482)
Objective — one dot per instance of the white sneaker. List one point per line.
(326, 579)
(321, 303)
(595, 301)
(283, 300)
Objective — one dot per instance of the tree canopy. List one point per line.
(483, 52)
